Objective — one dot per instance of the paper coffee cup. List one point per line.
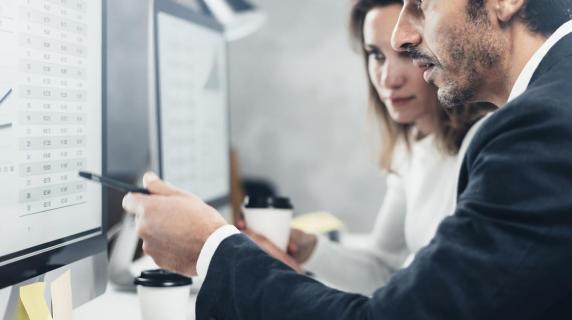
(270, 217)
(163, 295)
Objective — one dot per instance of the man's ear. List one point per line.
(506, 10)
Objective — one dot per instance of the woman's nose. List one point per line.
(391, 75)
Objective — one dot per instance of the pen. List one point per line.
(5, 96)
(112, 183)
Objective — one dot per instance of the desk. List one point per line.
(116, 304)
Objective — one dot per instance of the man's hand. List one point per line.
(173, 224)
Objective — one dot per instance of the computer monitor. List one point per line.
(51, 125)
(189, 117)
(190, 113)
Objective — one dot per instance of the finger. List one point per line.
(241, 224)
(249, 233)
(157, 186)
(292, 248)
(134, 203)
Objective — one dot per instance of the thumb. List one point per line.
(157, 186)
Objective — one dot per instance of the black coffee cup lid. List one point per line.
(267, 202)
(160, 278)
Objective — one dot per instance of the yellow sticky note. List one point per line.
(21, 312)
(317, 222)
(62, 297)
(34, 302)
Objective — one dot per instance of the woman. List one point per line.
(419, 156)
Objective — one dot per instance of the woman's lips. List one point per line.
(399, 101)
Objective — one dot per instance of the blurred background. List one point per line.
(298, 100)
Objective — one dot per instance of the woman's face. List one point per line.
(399, 83)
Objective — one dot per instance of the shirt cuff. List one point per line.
(210, 246)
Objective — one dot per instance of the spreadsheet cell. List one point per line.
(47, 192)
(52, 69)
(50, 167)
(52, 118)
(50, 93)
(52, 143)
(55, 46)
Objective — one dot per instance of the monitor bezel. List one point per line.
(41, 263)
(205, 20)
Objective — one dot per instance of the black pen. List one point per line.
(112, 183)
(5, 96)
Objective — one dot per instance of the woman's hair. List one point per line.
(453, 124)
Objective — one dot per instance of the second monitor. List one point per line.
(190, 113)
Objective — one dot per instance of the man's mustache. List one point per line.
(414, 54)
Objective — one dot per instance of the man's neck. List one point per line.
(523, 45)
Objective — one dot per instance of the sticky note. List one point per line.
(34, 302)
(62, 297)
(21, 312)
(317, 222)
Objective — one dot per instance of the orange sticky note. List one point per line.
(62, 297)
(34, 302)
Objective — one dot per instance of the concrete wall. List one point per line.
(299, 110)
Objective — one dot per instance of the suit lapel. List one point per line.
(561, 50)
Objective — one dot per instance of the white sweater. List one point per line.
(419, 196)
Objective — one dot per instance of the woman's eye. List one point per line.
(378, 56)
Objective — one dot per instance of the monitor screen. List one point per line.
(51, 120)
(192, 102)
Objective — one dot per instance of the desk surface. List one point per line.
(118, 305)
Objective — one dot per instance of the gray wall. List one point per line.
(298, 104)
(299, 110)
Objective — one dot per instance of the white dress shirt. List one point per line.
(526, 74)
(420, 193)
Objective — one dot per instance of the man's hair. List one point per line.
(541, 16)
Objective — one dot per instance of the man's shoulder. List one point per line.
(545, 108)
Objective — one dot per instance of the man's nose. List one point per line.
(405, 34)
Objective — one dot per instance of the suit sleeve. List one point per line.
(366, 269)
(504, 254)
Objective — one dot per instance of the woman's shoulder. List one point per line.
(402, 154)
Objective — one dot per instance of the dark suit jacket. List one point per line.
(506, 253)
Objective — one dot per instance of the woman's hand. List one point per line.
(273, 250)
(301, 245)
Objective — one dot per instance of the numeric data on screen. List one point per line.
(50, 116)
(52, 104)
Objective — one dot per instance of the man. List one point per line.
(505, 253)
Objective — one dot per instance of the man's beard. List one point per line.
(462, 78)
(471, 52)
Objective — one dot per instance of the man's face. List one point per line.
(455, 42)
